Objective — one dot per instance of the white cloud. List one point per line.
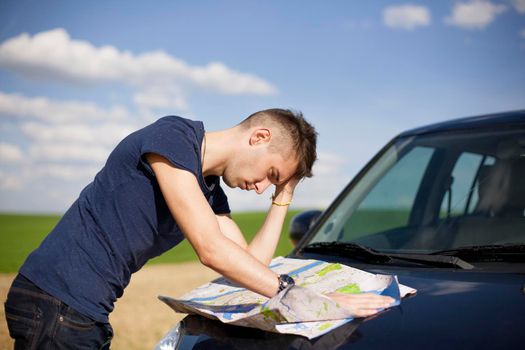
(406, 16)
(10, 153)
(327, 163)
(31, 175)
(67, 172)
(161, 97)
(519, 5)
(62, 152)
(107, 134)
(475, 14)
(55, 55)
(328, 180)
(58, 111)
(10, 182)
(67, 142)
(522, 33)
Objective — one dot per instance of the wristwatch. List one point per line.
(285, 281)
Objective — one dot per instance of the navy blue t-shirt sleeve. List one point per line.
(220, 202)
(178, 140)
(173, 138)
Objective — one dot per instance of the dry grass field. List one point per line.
(139, 319)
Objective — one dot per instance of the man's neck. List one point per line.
(220, 145)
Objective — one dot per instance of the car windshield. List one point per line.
(436, 192)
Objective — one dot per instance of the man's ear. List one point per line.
(260, 136)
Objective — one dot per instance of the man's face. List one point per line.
(257, 168)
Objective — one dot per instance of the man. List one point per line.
(159, 186)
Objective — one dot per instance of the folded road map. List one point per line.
(302, 310)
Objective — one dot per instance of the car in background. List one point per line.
(443, 208)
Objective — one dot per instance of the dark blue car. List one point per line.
(443, 208)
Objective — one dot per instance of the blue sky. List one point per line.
(76, 77)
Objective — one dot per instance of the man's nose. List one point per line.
(262, 185)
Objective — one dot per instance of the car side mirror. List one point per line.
(301, 223)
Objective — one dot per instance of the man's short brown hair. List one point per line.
(294, 131)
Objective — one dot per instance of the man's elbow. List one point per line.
(208, 257)
(205, 260)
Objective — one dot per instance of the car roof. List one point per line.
(504, 119)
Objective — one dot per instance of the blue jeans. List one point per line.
(37, 320)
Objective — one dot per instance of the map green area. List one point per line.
(349, 289)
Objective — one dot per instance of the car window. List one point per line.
(389, 202)
(435, 192)
(461, 197)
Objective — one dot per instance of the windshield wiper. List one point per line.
(353, 250)
(508, 252)
(369, 255)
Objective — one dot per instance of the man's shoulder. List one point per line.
(178, 120)
(171, 128)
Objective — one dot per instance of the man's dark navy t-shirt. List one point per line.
(120, 220)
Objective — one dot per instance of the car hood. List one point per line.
(452, 309)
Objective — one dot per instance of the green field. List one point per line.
(20, 234)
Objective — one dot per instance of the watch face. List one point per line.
(285, 281)
(289, 280)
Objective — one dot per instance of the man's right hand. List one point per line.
(361, 305)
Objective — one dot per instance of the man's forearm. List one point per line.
(239, 266)
(265, 242)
